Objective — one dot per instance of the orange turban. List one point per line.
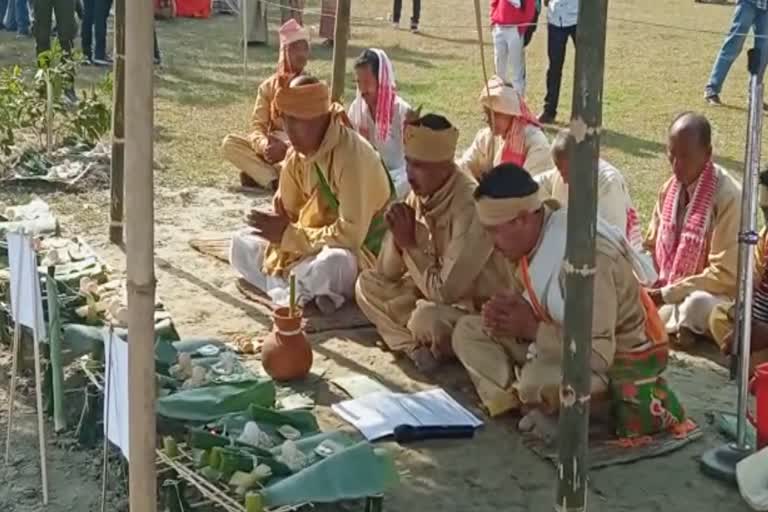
(304, 101)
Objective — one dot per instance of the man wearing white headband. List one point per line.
(379, 113)
(437, 261)
(513, 134)
(513, 350)
(260, 154)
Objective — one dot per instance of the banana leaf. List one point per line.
(209, 403)
(269, 420)
(356, 472)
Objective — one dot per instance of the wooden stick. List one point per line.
(340, 43)
(118, 130)
(292, 295)
(479, 24)
(573, 432)
(139, 195)
(105, 444)
(244, 14)
(40, 413)
(15, 309)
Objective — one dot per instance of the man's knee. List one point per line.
(425, 321)
(465, 334)
(364, 284)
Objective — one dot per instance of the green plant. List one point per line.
(29, 106)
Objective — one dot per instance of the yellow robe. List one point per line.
(359, 181)
(477, 159)
(501, 369)
(247, 152)
(719, 276)
(417, 295)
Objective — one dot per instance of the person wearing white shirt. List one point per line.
(562, 16)
(378, 113)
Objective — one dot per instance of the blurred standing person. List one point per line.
(66, 30)
(749, 14)
(292, 9)
(16, 17)
(3, 10)
(397, 10)
(93, 31)
(328, 21)
(510, 20)
(562, 17)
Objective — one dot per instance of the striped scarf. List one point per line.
(514, 141)
(684, 254)
(385, 102)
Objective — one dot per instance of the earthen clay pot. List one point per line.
(286, 353)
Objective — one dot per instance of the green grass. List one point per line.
(652, 73)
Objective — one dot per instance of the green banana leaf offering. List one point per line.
(209, 403)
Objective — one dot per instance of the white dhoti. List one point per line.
(331, 273)
(693, 313)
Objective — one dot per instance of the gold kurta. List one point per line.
(477, 159)
(417, 295)
(247, 152)
(357, 178)
(503, 376)
(719, 276)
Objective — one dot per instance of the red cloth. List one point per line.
(503, 13)
(193, 8)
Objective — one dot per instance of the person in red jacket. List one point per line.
(510, 20)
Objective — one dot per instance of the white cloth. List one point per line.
(693, 313)
(563, 13)
(548, 260)
(613, 199)
(509, 49)
(330, 273)
(392, 150)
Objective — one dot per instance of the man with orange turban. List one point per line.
(327, 221)
(513, 134)
(513, 350)
(260, 154)
(437, 261)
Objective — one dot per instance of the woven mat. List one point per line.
(348, 317)
(215, 247)
(605, 452)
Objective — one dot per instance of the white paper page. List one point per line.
(116, 412)
(375, 415)
(26, 298)
(436, 407)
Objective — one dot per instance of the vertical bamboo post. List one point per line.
(340, 44)
(118, 129)
(139, 128)
(586, 120)
(54, 338)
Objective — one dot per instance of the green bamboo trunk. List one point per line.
(118, 128)
(572, 471)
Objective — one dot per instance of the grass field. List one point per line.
(652, 72)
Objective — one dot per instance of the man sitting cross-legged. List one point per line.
(513, 350)
(694, 233)
(259, 155)
(614, 204)
(327, 221)
(437, 260)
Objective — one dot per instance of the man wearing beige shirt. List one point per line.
(693, 234)
(437, 262)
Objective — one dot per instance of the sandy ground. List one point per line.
(492, 472)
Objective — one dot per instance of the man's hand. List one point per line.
(656, 296)
(509, 314)
(402, 221)
(270, 225)
(275, 151)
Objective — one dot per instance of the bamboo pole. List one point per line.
(340, 44)
(139, 125)
(118, 129)
(586, 120)
(39, 403)
(54, 338)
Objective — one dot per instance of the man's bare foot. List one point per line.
(423, 359)
(539, 424)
